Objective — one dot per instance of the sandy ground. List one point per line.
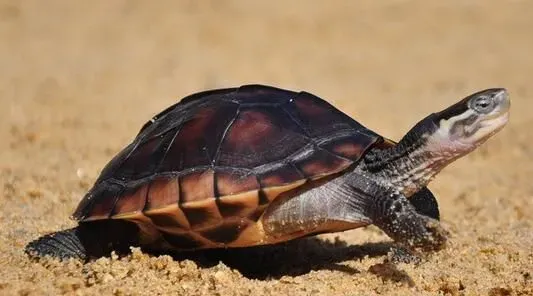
(77, 80)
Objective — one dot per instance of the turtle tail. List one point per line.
(88, 240)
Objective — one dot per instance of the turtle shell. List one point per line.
(201, 173)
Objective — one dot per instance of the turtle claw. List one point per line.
(436, 235)
(414, 252)
(431, 238)
(428, 235)
(400, 254)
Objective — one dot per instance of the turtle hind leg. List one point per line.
(88, 240)
(62, 244)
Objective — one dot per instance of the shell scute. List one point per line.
(258, 136)
(227, 232)
(279, 174)
(169, 218)
(230, 182)
(239, 205)
(131, 202)
(351, 146)
(196, 141)
(202, 213)
(98, 203)
(320, 163)
(271, 193)
(318, 117)
(163, 192)
(197, 186)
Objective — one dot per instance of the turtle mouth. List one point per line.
(494, 124)
(484, 128)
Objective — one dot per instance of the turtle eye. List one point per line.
(482, 104)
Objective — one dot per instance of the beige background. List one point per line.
(79, 78)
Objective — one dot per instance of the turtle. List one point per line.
(257, 165)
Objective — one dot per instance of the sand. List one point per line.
(79, 78)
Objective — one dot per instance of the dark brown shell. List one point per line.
(204, 169)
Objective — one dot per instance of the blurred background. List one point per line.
(79, 78)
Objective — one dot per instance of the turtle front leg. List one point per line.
(398, 218)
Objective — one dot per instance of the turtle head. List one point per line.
(465, 125)
(441, 138)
